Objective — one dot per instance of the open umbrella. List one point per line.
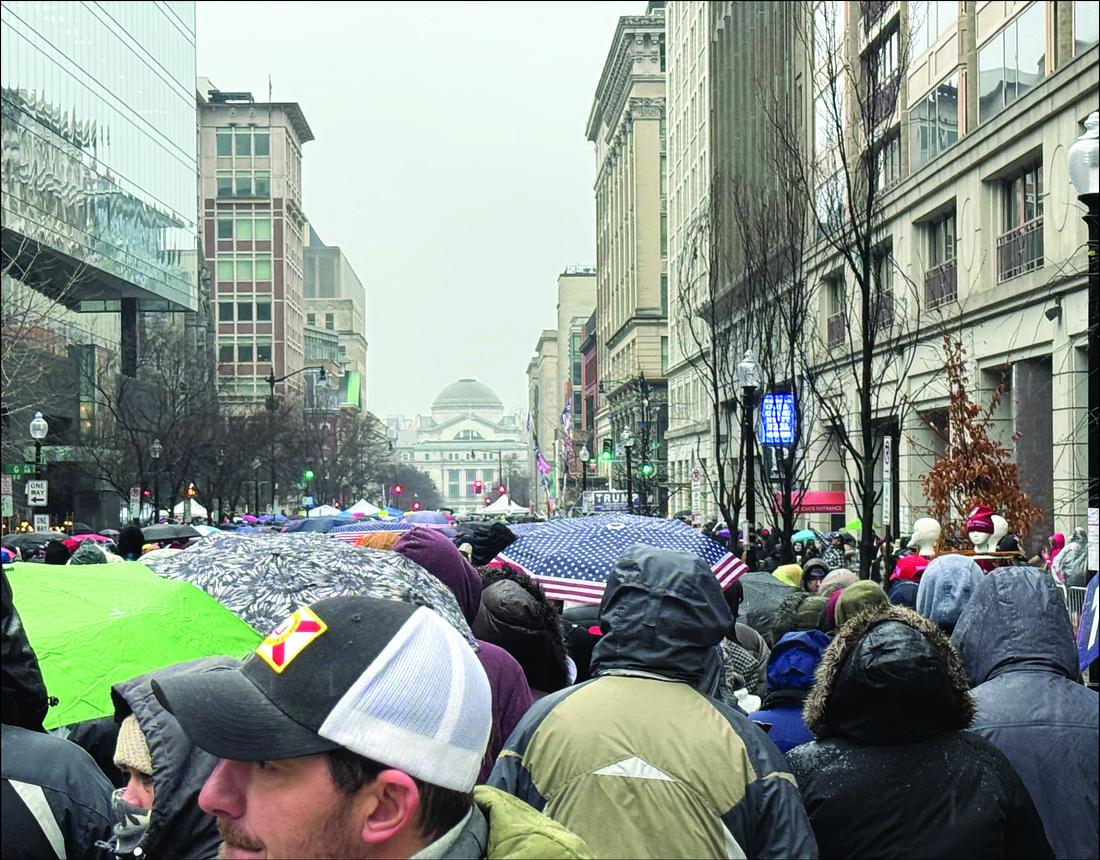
(169, 531)
(95, 625)
(856, 525)
(264, 577)
(571, 558)
(426, 518)
(30, 543)
(248, 518)
(803, 536)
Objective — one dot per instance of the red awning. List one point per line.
(814, 502)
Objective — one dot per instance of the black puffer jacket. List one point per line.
(177, 827)
(889, 708)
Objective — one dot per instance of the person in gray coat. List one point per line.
(174, 826)
(1017, 646)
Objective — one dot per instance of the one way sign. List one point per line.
(37, 492)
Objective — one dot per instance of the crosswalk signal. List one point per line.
(607, 453)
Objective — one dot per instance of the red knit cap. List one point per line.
(980, 520)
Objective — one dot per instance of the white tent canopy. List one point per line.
(197, 510)
(504, 506)
(364, 507)
(324, 511)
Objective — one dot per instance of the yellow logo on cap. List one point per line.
(289, 639)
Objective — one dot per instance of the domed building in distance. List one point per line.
(468, 438)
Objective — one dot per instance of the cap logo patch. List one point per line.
(289, 639)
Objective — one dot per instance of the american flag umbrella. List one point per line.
(571, 558)
(264, 577)
(352, 533)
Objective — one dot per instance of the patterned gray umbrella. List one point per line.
(263, 578)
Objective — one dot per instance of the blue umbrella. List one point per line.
(429, 517)
(571, 558)
(802, 536)
(352, 532)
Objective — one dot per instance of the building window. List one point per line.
(243, 143)
(242, 184)
(664, 294)
(263, 183)
(244, 352)
(225, 311)
(330, 322)
(263, 350)
(664, 355)
(311, 319)
(934, 122)
(244, 311)
(244, 270)
(262, 229)
(1020, 245)
(832, 197)
(1012, 62)
(263, 311)
(928, 19)
(224, 142)
(882, 300)
(225, 353)
(225, 183)
(889, 162)
(263, 270)
(262, 144)
(834, 293)
(225, 228)
(225, 269)
(940, 280)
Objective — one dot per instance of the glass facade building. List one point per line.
(99, 171)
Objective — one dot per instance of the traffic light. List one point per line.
(307, 475)
(191, 490)
(502, 489)
(488, 501)
(477, 486)
(397, 489)
(647, 468)
(607, 453)
(416, 506)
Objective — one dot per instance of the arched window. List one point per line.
(466, 435)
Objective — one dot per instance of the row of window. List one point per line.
(330, 321)
(243, 268)
(244, 310)
(244, 351)
(245, 227)
(244, 183)
(243, 142)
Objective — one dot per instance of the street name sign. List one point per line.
(19, 470)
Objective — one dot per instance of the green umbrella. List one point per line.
(856, 525)
(96, 625)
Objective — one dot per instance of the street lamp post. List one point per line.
(39, 429)
(256, 480)
(272, 407)
(1084, 173)
(748, 375)
(628, 442)
(584, 456)
(156, 449)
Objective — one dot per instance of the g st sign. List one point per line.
(777, 419)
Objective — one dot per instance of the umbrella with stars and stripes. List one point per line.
(571, 558)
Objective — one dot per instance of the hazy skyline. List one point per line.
(450, 165)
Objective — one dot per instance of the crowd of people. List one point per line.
(800, 712)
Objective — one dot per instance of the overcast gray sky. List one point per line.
(450, 164)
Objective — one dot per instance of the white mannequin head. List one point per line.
(980, 541)
(1000, 529)
(926, 531)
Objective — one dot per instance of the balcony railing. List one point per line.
(884, 312)
(941, 284)
(1020, 250)
(837, 330)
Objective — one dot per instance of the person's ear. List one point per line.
(389, 807)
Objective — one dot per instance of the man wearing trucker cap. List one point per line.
(356, 729)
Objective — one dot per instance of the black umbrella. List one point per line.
(169, 531)
(316, 524)
(763, 594)
(82, 529)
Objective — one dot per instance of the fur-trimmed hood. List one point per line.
(889, 677)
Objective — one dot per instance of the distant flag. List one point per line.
(541, 464)
(567, 418)
(529, 423)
